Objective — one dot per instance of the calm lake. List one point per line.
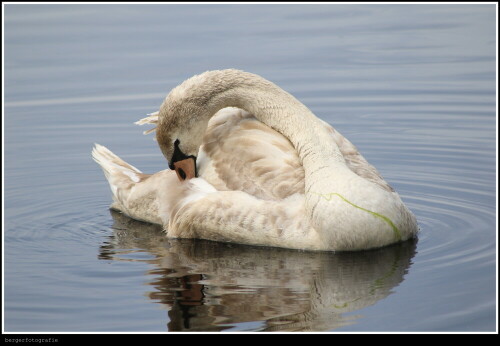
(412, 86)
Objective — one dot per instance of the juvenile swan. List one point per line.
(265, 171)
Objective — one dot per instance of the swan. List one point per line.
(249, 163)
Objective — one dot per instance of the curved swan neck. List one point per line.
(211, 91)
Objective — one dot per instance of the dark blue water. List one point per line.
(412, 86)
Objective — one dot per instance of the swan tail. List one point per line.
(121, 176)
(151, 119)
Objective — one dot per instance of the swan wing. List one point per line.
(239, 153)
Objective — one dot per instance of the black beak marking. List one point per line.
(178, 155)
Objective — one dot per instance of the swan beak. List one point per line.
(185, 169)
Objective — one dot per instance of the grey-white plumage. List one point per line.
(270, 172)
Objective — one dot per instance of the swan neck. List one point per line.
(279, 110)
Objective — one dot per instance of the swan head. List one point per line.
(183, 120)
(180, 142)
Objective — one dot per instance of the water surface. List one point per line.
(412, 86)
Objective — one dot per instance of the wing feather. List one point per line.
(244, 154)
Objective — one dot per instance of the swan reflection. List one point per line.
(211, 286)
